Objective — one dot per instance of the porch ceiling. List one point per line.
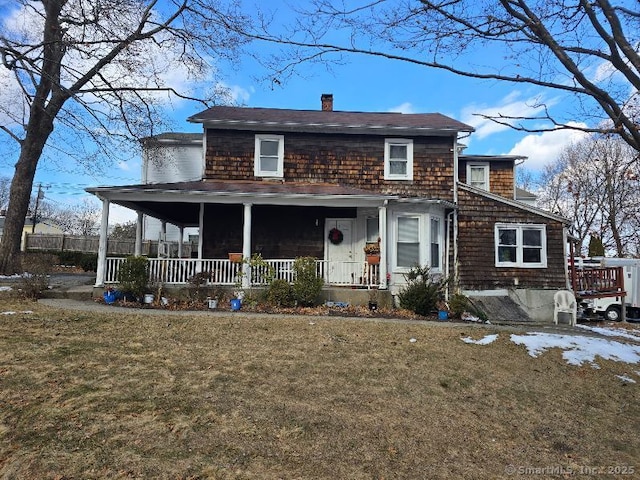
(178, 203)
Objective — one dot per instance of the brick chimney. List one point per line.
(327, 102)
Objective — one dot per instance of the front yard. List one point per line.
(114, 395)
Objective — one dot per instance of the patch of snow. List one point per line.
(626, 379)
(613, 332)
(10, 276)
(5, 289)
(9, 312)
(578, 349)
(483, 341)
(413, 340)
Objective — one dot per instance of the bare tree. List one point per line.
(100, 72)
(124, 231)
(584, 48)
(596, 184)
(81, 219)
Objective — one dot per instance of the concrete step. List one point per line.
(80, 292)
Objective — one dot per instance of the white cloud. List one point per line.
(405, 107)
(543, 148)
(512, 105)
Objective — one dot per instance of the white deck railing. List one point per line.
(178, 271)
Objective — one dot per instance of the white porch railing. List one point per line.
(223, 272)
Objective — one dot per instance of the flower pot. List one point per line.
(235, 257)
(148, 298)
(109, 297)
(212, 303)
(236, 303)
(373, 259)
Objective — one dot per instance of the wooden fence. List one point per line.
(89, 244)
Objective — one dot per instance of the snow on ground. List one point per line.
(483, 341)
(632, 334)
(5, 289)
(579, 349)
(14, 313)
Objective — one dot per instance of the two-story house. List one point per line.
(324, 183)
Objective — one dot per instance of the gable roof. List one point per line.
(513, 203)
(382, 123)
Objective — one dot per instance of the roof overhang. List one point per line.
(349, 129)
(179, 203)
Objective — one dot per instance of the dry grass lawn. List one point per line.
(234, 396)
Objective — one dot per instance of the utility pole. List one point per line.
(39, 197)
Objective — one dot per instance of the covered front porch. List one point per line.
(278, 221)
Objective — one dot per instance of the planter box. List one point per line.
(373, 259)
(235, 257)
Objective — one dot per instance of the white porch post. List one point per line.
(102, 245)
(200, 230)
(180, 242)
(246, 245)
(382, 231)
(137, 249)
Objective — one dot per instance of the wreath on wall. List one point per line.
(335, 236)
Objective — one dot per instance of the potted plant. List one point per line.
(372, 252)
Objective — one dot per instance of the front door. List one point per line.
(339, 255)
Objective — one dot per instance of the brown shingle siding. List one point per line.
(501, 176)
(349, 160)
(477, 217)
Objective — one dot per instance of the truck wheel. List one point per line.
(612, 313)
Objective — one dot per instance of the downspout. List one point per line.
(455, 214)
(447, 266)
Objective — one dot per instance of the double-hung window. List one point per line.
(435, 242)
(478, 175)
(269, 156)
(520, 245)
(408, 243)
(398, 159)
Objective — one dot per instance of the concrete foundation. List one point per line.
(536, 304)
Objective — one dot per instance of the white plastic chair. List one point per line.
(564, 301)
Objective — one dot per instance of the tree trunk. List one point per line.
(19, 197)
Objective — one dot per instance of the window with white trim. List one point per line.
(521, 245)
(408, 242)
(398, 159)
(269, 156)
(435, 243)
(478, 175)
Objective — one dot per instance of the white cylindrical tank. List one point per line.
(170, 158)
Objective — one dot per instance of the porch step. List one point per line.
(80, 292)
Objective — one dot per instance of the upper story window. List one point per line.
(478, 175)
(269, 156)
(520, 245)
(398, 159)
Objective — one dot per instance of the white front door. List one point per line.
(340, 255)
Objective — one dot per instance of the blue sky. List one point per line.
(363, 84)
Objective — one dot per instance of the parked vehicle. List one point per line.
(610, 307)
